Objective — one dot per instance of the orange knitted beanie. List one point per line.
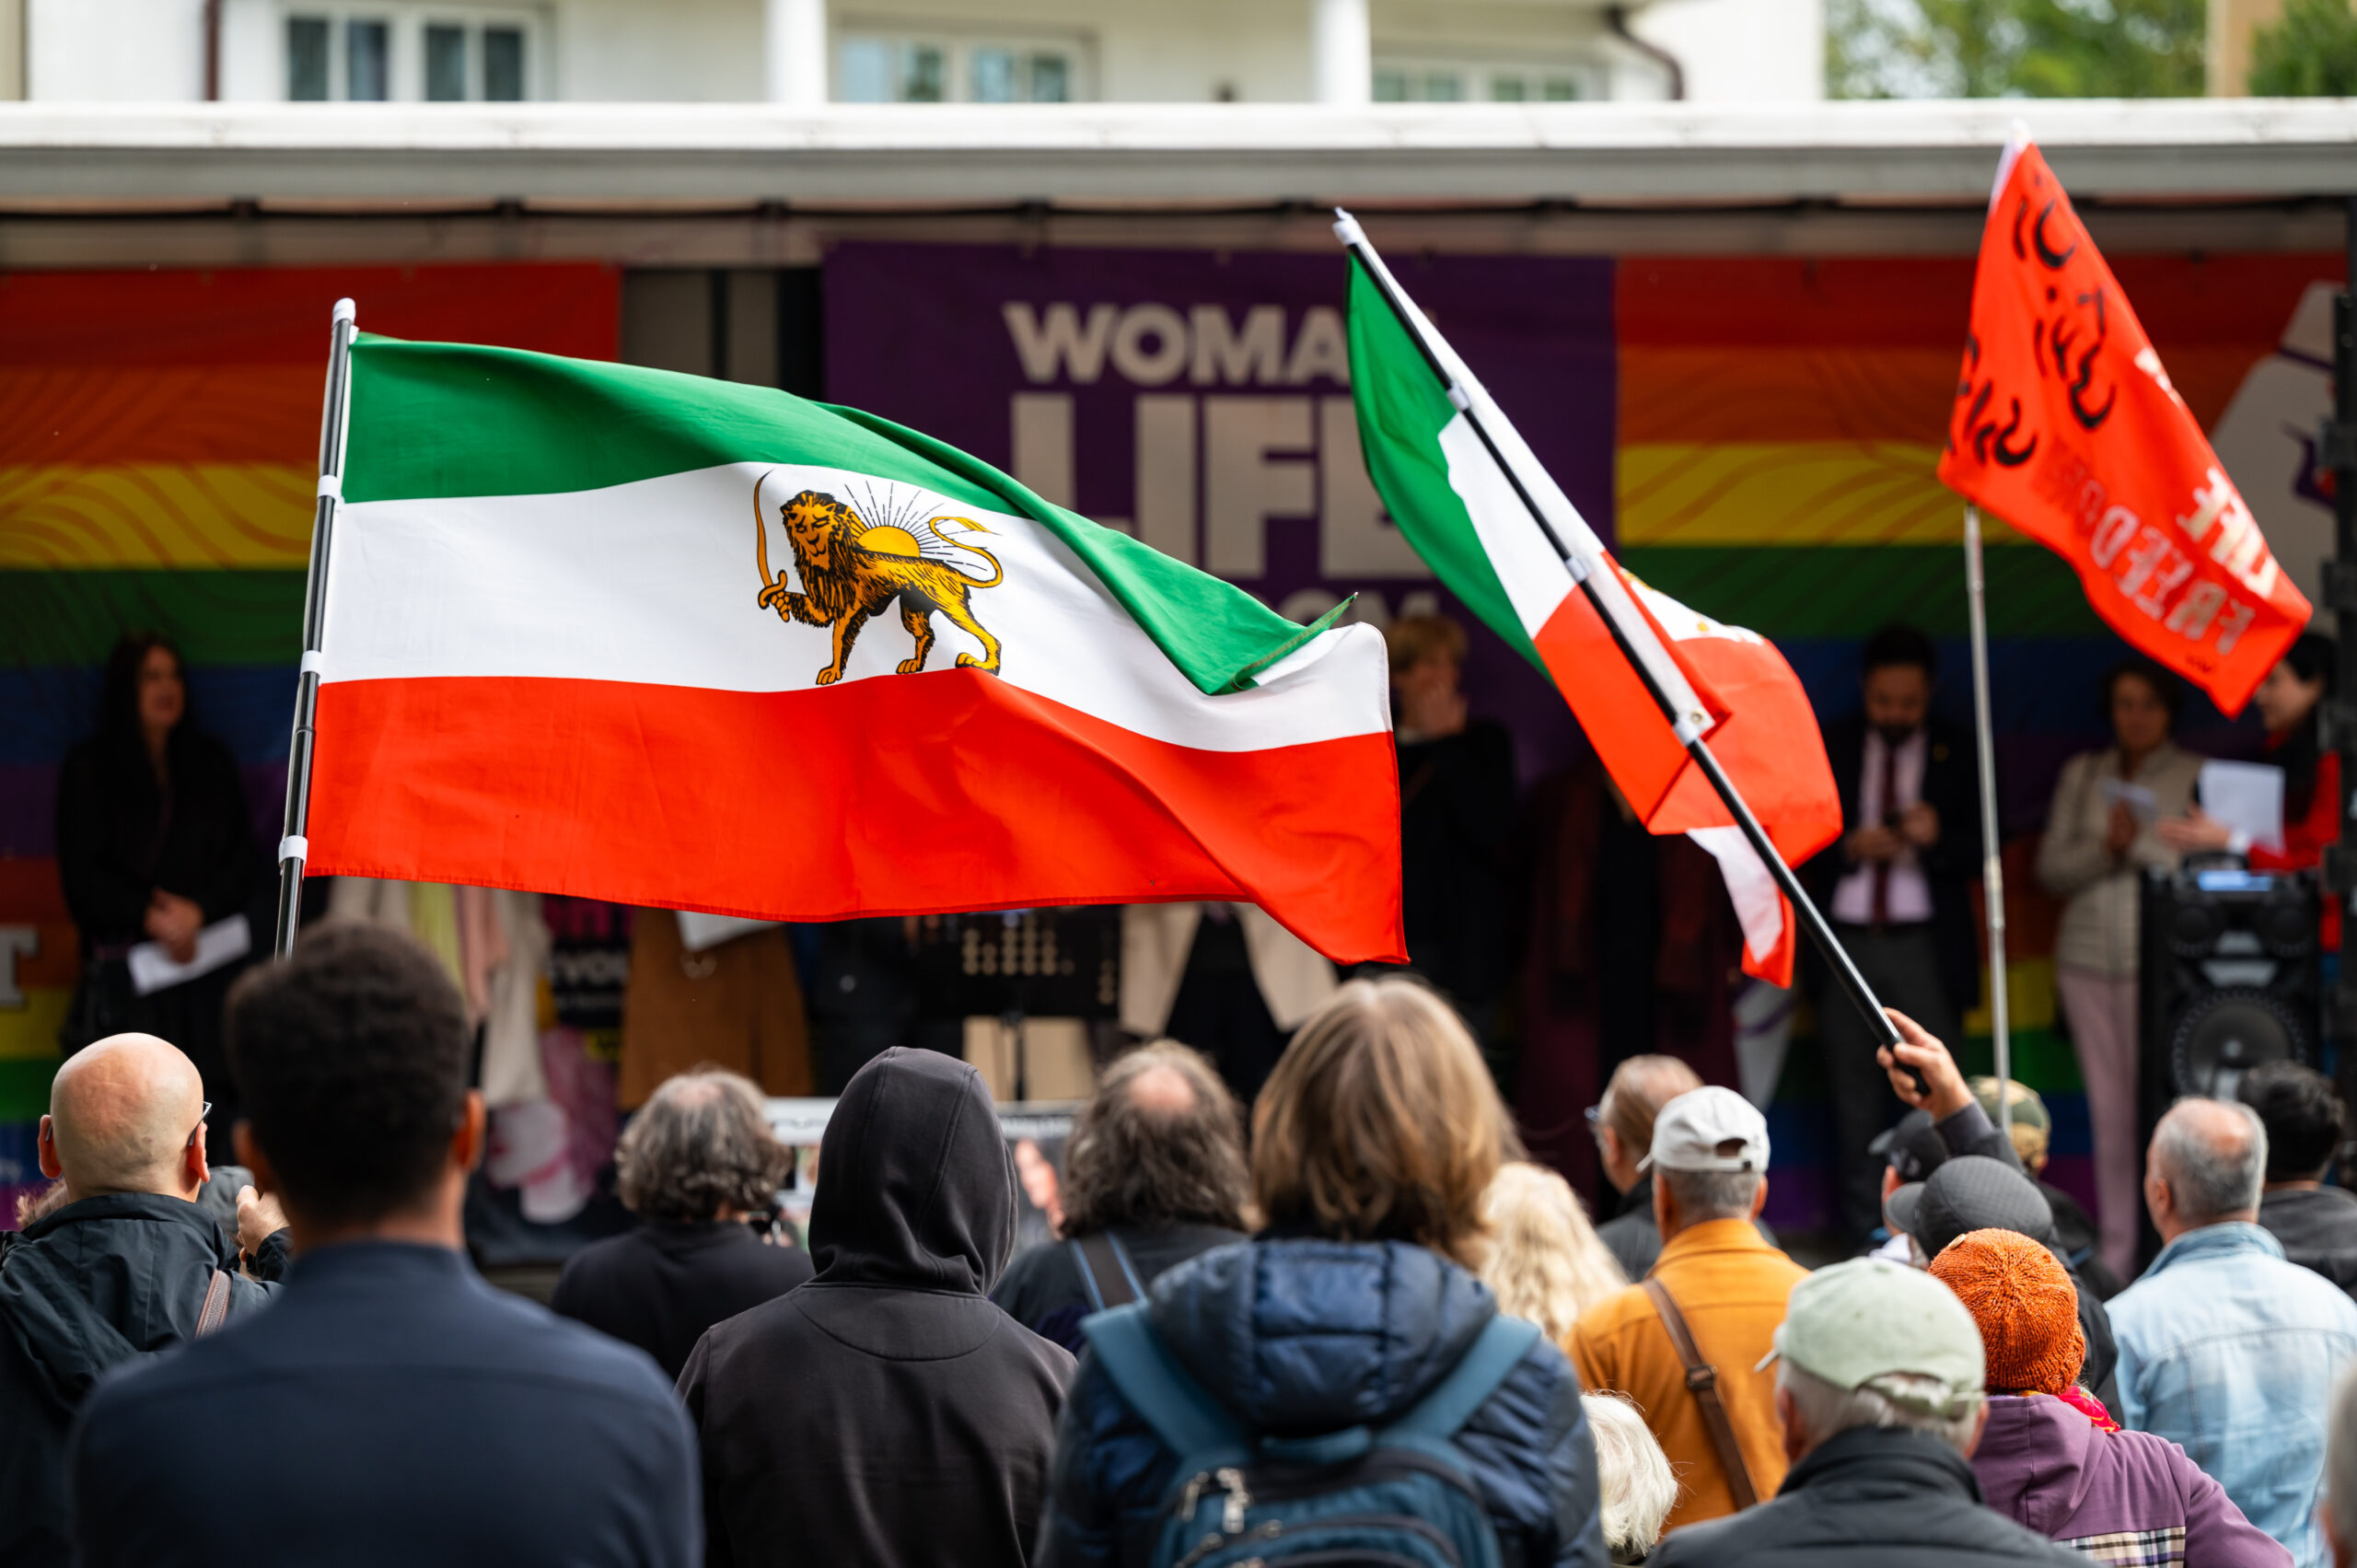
(2029, 1310)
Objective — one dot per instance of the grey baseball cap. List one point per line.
(1969, 1192)
(1869, 1323)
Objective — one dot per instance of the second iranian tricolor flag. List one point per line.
(601, 630)
(1475, 514)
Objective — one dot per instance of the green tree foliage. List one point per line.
(2310, 52)
(2015, 47)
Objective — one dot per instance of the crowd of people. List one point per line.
(1361, 1323)
(1570, 938)
(1309, 1291)
(1898, 887)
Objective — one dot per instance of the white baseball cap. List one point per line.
(1709, 1129)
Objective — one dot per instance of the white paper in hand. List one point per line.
(2141, 803)
(2247, 797)
(223, 942)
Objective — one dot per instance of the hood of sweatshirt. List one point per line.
(916, 1188)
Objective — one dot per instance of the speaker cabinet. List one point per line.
(2228, 978)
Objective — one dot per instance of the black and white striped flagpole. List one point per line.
(1689, 727)
(335, 416)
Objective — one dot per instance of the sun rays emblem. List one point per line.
(853, 567)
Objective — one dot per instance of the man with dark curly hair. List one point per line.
(1153, 1174)
(2305, 1125)
(389, 1407)
(696, 1161)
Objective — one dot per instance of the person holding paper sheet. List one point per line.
(154, 842)
(2104, 829)
(2287, 700)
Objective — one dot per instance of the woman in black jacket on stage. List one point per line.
(154, 842)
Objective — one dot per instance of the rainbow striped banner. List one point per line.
(158, 454)
(1780, 420)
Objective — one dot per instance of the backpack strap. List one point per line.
(216, 1310)
(1165, 1395)
(1703, 1381)
(1436, 1417)
(1105, 1270)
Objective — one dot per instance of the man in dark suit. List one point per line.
(1896, 887)
(396, 1408)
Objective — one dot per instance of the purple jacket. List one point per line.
(2126, 1497)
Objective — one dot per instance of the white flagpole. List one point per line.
(1993, 869)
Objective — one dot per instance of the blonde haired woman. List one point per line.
(1546, 1262)
(1373, 1148)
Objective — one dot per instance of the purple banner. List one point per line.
(1201, 399)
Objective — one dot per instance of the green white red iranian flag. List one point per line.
(614, 631)
(1470, 497)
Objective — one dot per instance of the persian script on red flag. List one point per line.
(2066, 426)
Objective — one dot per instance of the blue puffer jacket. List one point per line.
(1299, 1337)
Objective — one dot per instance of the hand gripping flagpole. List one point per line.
(1992, 868)
(335, 416)
(1688, 728)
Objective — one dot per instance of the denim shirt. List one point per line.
(2231, 1353)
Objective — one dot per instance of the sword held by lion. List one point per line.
(852, 570)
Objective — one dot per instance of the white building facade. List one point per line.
(812, 52)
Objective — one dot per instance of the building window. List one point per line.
(445, 56)
(503, 64)
(365, 69)
(307, 58)
(887, 68)
(446, 63)
(1453, 83)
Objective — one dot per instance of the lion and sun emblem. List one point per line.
(852, 569)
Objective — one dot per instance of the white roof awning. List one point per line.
(84, 157)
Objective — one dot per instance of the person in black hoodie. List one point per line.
(696, 1161)
(115, 1275)
(887, 1412)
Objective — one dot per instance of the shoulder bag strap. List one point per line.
(217, 1304)
(1106, 1272)
(1703, 1382)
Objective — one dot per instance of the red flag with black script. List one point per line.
(2066, 426)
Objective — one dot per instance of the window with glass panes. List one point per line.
(874, 67)
(1463, 82)
(374, 53)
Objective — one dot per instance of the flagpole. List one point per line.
(335, 415)
(1992, 866)
(1683, 726)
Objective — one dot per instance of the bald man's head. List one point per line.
(1163, 1091)
(120, 1113)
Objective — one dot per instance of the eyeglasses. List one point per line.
(203, 1113)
